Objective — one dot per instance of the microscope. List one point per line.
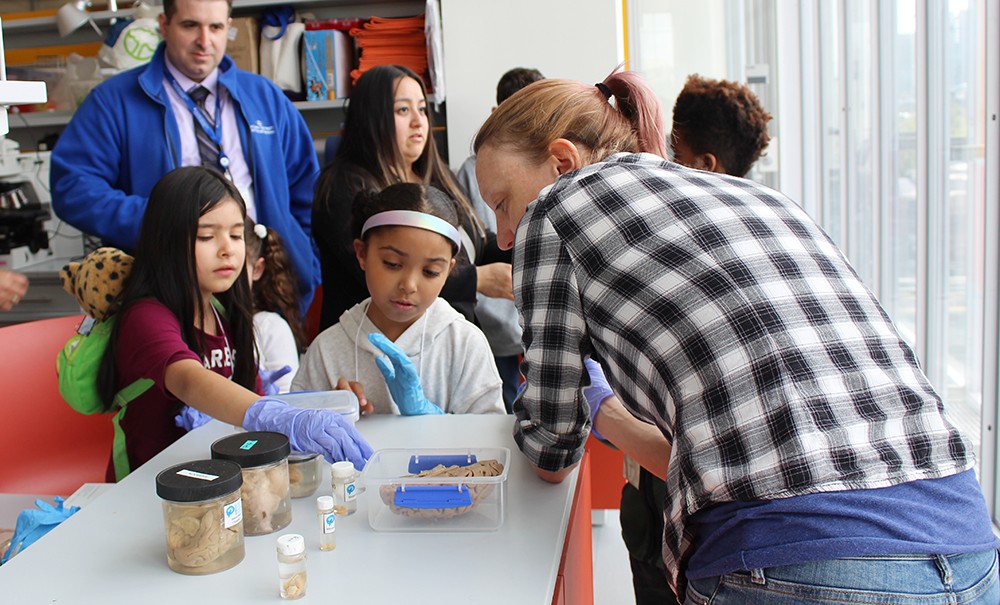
(22, 213)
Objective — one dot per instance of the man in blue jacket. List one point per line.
(139, 125)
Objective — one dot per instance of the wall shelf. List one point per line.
(42, 119)
(31, 129)
(45, 119)
(39, 24)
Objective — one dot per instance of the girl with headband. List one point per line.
(403, 349)
(807, 457)
(388, 139)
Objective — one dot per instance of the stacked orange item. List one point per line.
(385, 41)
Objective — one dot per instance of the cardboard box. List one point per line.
(328, 57)
(244, 43)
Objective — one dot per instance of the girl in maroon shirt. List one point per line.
(191, 252)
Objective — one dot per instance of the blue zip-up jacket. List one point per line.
(124, 137)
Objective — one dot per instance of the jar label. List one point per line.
(249, 443)
(350, 491)
(196, 475)
(329, 523)
(233, 513)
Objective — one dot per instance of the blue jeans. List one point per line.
(965, 579)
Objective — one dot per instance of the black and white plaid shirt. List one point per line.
(726, 317)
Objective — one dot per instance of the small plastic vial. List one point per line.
(345, 490)
(292, 566)
(327, 523)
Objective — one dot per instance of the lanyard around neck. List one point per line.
(212, 131)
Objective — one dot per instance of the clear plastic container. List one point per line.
(444, 489)
(292, 566)
(202, 515)
(263, 456)
(343, 402)
(304, 474)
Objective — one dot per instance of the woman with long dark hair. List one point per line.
(387, 140)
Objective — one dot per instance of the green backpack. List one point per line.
(78, 365)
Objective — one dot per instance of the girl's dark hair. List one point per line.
(403, 196)
(369, 140)
(165, 270)
(276, 290)
(516, 79)
(723, 118)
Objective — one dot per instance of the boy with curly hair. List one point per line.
(719, 126)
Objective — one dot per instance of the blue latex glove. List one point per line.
(596, 393)
(401, 378)
(190, 418)
(310, 431)
(268, 378)
(32, 524)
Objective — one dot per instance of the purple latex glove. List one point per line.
(268, 378)
(310, 430)
(596, 393)
(401, 378)
(190, 418)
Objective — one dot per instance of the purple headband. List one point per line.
(409, 218)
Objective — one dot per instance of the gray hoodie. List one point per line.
(451, 355)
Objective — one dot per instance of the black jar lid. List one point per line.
(199, 480)
(255, 448)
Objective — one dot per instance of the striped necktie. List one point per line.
(207, 148)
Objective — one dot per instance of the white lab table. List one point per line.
(113, 550)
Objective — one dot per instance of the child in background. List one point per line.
(436, 361)
(497, 316)
(277, 323)
(719, 126)
(388, 139)
(189, 261)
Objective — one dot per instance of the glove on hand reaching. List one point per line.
(191, 418)
(401, 378)
(321, 431)
(269, 378)
(596, 393)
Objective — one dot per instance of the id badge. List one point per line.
(631, 471)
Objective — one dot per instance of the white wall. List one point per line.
(575, 39)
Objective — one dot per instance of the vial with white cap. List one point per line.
(342, 478)
(327, 523)
(292, 566)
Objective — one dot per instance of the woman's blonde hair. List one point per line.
(619, 114)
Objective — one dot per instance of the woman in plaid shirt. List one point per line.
(807, 458)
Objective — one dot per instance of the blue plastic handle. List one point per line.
(419, 464)
(433, 496)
